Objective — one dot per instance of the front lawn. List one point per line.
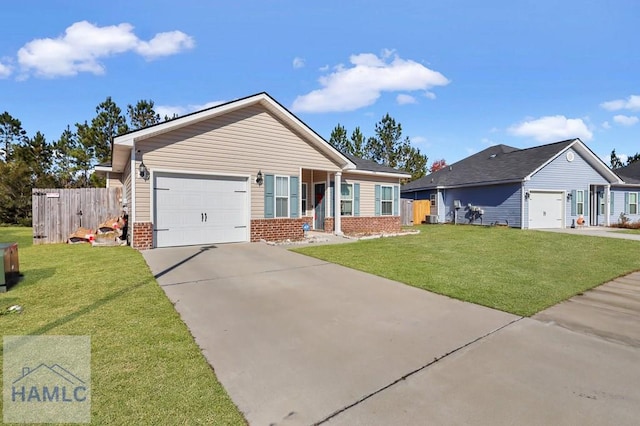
(513, 270)
(146, 366)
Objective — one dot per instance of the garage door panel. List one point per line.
(181, 203)
(546, 209)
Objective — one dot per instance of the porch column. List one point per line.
(607, 205)
(338, 195)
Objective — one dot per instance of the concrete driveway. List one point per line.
(296, 340)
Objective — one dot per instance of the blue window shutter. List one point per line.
(573, 202)
(332, 198)
(586, 202)
(396, 200)
(611, 197)
(294, 197)
(626, 202)
(269, 196)
(356, 199)
(377, 200)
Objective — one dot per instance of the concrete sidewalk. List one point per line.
(596, 231)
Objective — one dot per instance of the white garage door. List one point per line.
(193, 210)
(546, 209)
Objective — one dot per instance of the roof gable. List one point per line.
(124, 143)
(504, 164)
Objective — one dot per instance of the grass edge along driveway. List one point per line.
(513, 270)
(145, 366)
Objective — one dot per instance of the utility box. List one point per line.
(10, 273)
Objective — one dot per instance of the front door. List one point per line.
(318, 206)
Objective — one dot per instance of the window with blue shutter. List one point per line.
(356, 199)
(293, 197)
(574, 202)
(269, 196)
(612, 196)
(396, 200)
(377, 200)
(586, 202)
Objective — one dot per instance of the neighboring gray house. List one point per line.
(627, 195)
(548, 186)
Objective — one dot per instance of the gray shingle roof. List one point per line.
(630, 173)
(499, 163)
(372, 166)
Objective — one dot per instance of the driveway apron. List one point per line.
(296, 340)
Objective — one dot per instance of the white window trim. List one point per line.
(346, 199)
(382, 201)
(632, 204)
(303, 198)
(276, 196)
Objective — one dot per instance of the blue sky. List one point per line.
(458, 75)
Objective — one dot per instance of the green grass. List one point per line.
(146, 367)
(517, 271)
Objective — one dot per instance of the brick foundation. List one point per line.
(278, 229)
(366, 225)
(328, 224)
(142, 235)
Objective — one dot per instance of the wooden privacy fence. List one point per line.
(406, 212)
(415, 212)
(57, 213)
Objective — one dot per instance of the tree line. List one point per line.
(616, 163)
(386, 147)
(28, 162)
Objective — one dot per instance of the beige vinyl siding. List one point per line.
(114, 180)
(368, 190)
(240, 142)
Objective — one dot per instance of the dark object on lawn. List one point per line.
(10, 267)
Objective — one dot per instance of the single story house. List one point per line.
(550, 186)
(246, 170)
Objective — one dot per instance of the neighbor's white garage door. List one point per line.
(546, 209)
(191, 210)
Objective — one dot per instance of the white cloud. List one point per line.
(324, 68)
(404, 99)
(351, 88)
(626, 120)
(606, 125)
(420, 142)
(631, 103)
(84, 44)
(429, 95)
(170, 110)
(552, 128)
(298, 63)
(5, 70)
(488, 142)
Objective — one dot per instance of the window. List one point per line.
(579, 202)
(601, 203)
(432, 198)
(282, 196)
(304, 199)
(346, 199)
(633, 203)
(386, 200)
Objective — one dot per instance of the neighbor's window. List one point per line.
(633, 203)
(346, 199)
(304, 199)
(386, 200)
(282, 196)
(432, 198)
(579, 202)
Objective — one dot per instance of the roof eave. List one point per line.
(383, 174)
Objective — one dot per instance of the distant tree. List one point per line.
(633, 158)
(615, 160)
(437, 165)
(357, 143)
(37, 154)
(11, 134)
(388, 148)
(339, 139)
(15, 193)
(108, 123)
(84, 154)
(64, 160)
(142, 114)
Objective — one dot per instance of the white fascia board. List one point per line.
(103, 169)
(383, 174)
